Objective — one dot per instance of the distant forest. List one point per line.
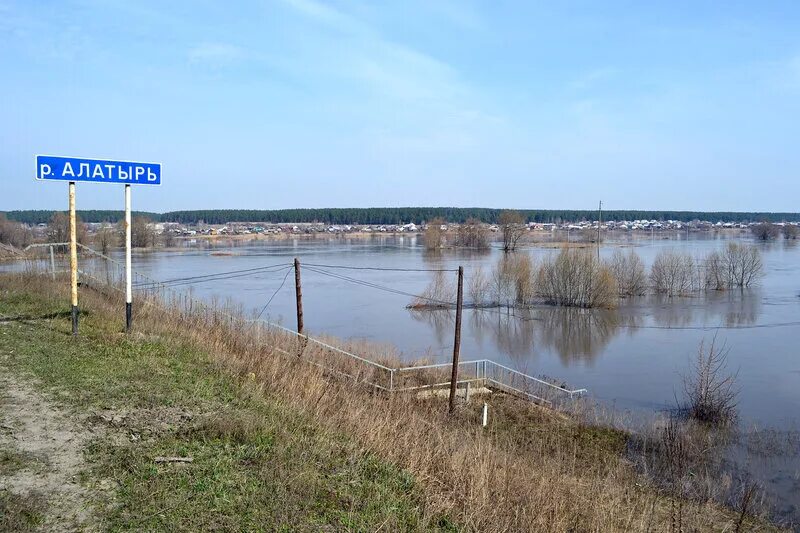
(398, 215)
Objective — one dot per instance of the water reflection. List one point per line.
(581, 335)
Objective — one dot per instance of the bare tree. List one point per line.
(765, 231)
(742, 264)
(478, 286)
(434, 235)
(13, 233)
(142, 233)
(472, 234)
(715, 275)
(576, 278)
(710, 393)
(628, 270)
(512, 226)
(105, 239)
(791, 231)
(168, 238)
(58, 228)
(673, 273)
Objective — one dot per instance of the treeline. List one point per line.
(43, 216)
(402, 215)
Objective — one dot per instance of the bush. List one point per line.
(673, 273)
(710, 393)
(576, 278)
(14, 233)
(790, 231)
(472, 234)
(765, 231)
(434, 235)
(629, 273)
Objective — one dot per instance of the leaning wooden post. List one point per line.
(457, 341)
(73, 257)
(298, 291)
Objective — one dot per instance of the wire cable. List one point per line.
(288, 271)
(386, 269)
(215, 277)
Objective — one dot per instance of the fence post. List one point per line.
(52, 262)
(391, 380)
(457, 340)
(485, 413)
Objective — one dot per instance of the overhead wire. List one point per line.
(216, 276)
(387, 269)
(409, 294)
(288, 271)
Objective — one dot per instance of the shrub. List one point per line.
(434, 235)
(629, 273)
(576, 278)
(710, 392)
(472, 234)
(765, 231)
(673, 273)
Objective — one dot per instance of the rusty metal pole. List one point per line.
(299, 295)
(457, 341)
(73, 257)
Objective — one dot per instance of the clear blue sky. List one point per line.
(299, 103)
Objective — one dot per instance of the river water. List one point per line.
(632, 358)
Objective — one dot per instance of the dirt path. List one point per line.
(46, 447)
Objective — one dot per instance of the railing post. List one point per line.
(391, 380)
(52, 262)
(457, 340)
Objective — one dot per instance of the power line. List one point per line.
(288, 271)
(410, 295)
(387, 269)
(216, 276)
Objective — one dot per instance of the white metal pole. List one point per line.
(485, 413)
(128, 275)
(73, 257)
(52, 262)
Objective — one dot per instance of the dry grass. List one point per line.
(530, 470)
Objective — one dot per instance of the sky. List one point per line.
(686, 105)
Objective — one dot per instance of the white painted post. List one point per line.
(466, 393)
(52, 262)
(128, 273)
(485, 413)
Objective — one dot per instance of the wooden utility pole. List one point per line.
(299, 295)
(599, 223)
(457, 341)
(73, 257)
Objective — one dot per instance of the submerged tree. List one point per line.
(765, 231)
(472, 234)
(434, 234)
(512, 226)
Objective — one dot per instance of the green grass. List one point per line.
(257, 465)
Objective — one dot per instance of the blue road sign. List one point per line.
(49, 167)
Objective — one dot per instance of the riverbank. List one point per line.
(256, 425)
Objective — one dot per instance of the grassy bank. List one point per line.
(276, 444)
